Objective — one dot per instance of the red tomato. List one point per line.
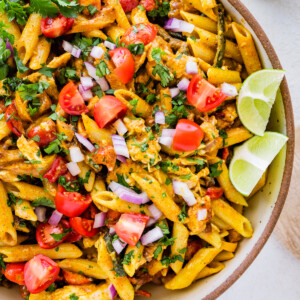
(13, 121)
(225, 153)
(57, 169)
(75, 278)
(129, 5)
(44, 231)
(203, 95)
(123, 60)
(140, 33)
(130, 227)
(90, 212)
(15, 273)
(39, 273)
(73, 237)
(188, 136)
(45, 131)
(83, 226)
(149, 4)
(71, 204)
(214, 192)
(52, 28)
(71, 101)
(108, 109)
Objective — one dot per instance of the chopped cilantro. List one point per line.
(168, 181)
(164, 74)
(73, 297)
(43, 201)
(102, 69)
(47, 71)
(15, 11)
(156, 54)
(2, 264)
(59, 236)
(183, 215)
(136, 49)
(161, 11)
(157, 251)
(127, 258)
(214, 172)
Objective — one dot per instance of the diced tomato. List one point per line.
(214, 192)
(39, 273)
(45, 131)
(13, 120)
(149, 4)
(83, 226)
(112, 217)
(15, 273)
(108, 109)
(71, 101)
(140, 33)
(129, 5)
(58, 168)
(53, 28)
(130, 227)
(73, 237)
(123, 60)
(225, 153)
(71, 204)
(105, 156)
(75, 278)
(203, 95)
(188, 136)
(44, 232)
(90, 212)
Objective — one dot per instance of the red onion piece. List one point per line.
(118, 245)
(183, 84)
(99, 220)
(132, 198)
(85, 142)
(87, 83)
(103, 84)
(166, 141)
(160, 117)
(120, 145)
(145, 197)
(67, 46)
(202, 214)
(182, 189)
(73, 168)
(229, 90)
(86, 95)
(177, 25)
(191, 67)
(150, 222)
(122, 159)
(152, 236)
(97, 52)
(55, 218)
(76, 155)
(168, 132)
(155, 212)
(112, 291)
(112, 230)
(120, 127)
(174, 92)
(40, 212)
(76, 51)
(109, 45)
(91, 70)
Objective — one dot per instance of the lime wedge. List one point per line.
(256, 98)
(252, 158)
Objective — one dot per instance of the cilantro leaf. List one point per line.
(102, 69)
(161, 11)
(183, 215)
(127, 258)
(20, 66)
(157, 251)
(59, 236)
(73, 297)
(2, 264)
(15, 11)
(136, 49)
(4, 34)
(43, 201)
(44, 7)
(164, 74)
(47, 71)
(156, 54)
(214, 169)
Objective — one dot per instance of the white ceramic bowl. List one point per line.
(265, 207)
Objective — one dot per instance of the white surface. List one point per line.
(275, 273)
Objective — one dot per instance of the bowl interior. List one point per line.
(259, 211)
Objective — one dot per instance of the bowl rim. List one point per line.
(290, 132)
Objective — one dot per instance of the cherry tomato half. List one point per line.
(71, 101)
(58, 168)
(15, 273)
(203, 95)
(83, 226)
(140, 33)
(188, 136)
(149, 4)
(123, 60)
(214, 192)
(13, 121)
(71, 204)
(44, 233)
(129, 5)
(45, 131)
(52, 28)
(75, 278)
(130, 227)
(108, 109)
(39, 273)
